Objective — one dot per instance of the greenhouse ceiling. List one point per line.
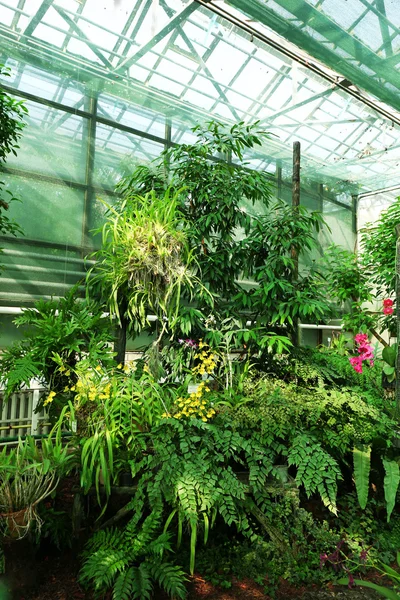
(335, 87)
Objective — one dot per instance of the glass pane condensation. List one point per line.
(47, 212)
(118, 152)
(53, 144)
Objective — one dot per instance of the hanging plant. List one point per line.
(144, 262)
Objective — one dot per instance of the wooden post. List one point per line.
(295, 204)
(121, 333)
(398, 319)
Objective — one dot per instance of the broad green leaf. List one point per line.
(389, 354)
(391, 484)
(362, 465)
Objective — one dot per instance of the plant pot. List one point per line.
(17, 523)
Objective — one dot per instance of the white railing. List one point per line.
(18, 416)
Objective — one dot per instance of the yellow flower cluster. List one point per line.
(129, 367)
(195, 407)
(64, 370)
(49, 398)
(87, 389)
(206, 358)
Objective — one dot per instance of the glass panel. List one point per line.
(340, 220)
(133, 116)
(117, 153)
(47, 85)
(33, 270)
(47, 212)
(53, 144)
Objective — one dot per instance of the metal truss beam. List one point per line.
(341, 83)
(124, 66)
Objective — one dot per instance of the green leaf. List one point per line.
(385, 592)
(362, 465)
(389, 354)
(390, 484)
(388, 370)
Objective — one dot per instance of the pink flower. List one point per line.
(368, 354)
(365, 352)
(388, 310)
(387, 302)
(356, 363)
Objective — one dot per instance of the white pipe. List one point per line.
(11, 310)
(329, 327)
(17, 310)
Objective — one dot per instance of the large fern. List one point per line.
(131, 560)
(317, 471)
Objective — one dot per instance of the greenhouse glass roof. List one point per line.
(193, 60)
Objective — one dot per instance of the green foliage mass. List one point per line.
(378, 245)
(68, 328)
(131, 560)
(12, 113)
(144, 260)
(236, 232)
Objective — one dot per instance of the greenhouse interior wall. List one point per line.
(109, 85)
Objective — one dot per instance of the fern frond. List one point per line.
(102, 567)
(169, 577)
(141, 584)
(123, 585)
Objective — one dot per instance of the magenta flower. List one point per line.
(361, 338)
(365, 352)
(356, 363)
(388, 310)
(388, 302)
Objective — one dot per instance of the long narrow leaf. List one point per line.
(385, 592)
(362, 465)
(390, 484)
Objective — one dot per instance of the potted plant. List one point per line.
(28, 475)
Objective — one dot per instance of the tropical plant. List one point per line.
(389, 357)
(220, 197)
(217, 186)
(110, 408)
(315, 430)
(131, 559)
(12, 113)
(192, 473)
(143, 263)
(386, 571)
(59, 333)
(28, 475)
(283, 294)
(349, 285)
(378, 247)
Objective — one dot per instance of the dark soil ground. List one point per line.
(54, 577)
